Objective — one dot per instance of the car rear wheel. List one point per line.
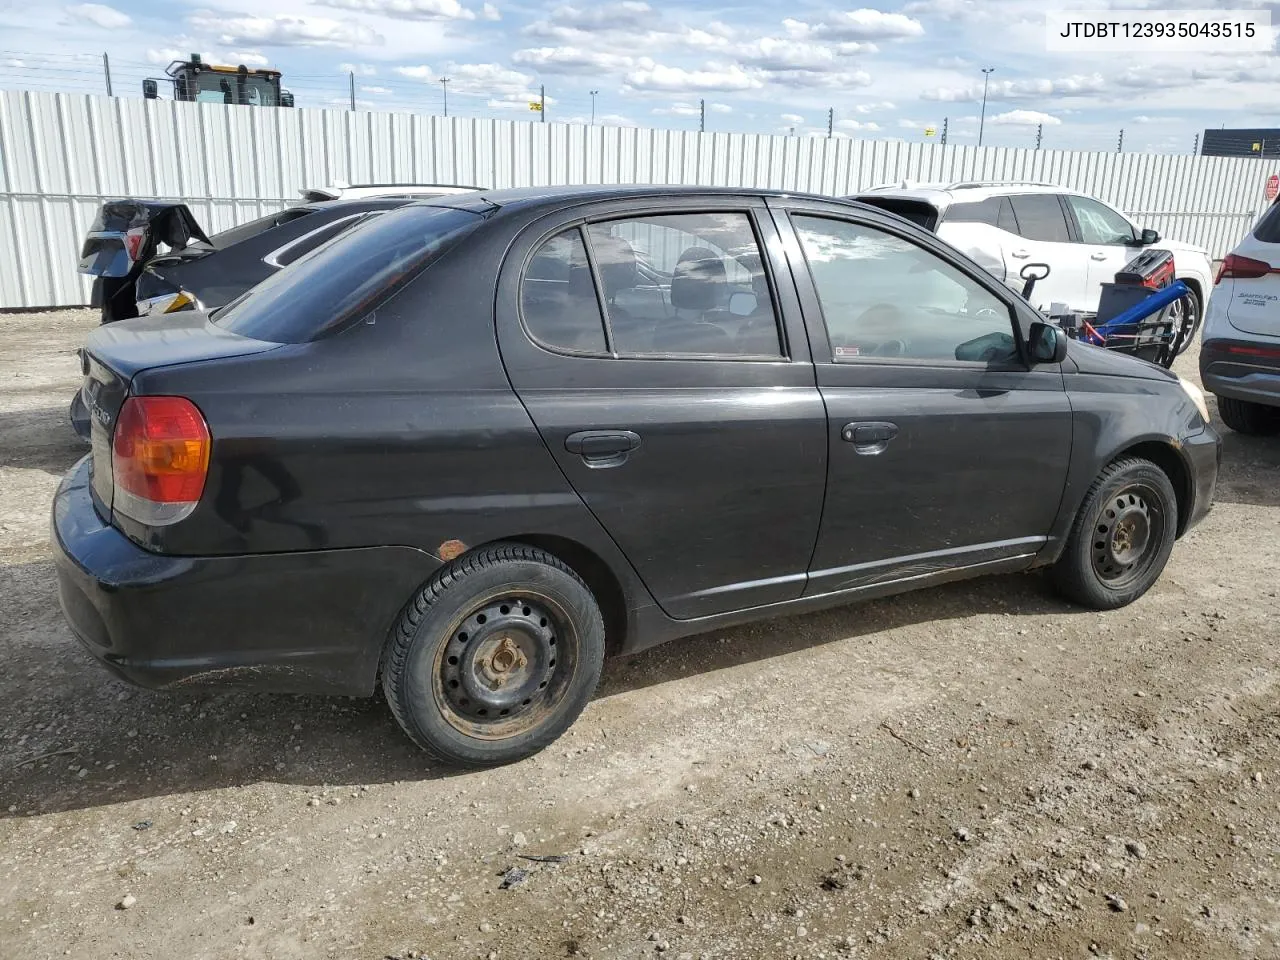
(1251, 418)
(495, 657)
(1122, 537)
(1185, 314)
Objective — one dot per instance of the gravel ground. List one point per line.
(973, 771)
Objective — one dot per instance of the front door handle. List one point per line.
(869, 438)
(1020, 254)
(602, 448)
(1098, 256)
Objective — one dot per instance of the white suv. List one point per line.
(1005, 225)
(1240, 356)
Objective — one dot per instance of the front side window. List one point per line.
(1040, 217)
(1099, 223)
(884, 297)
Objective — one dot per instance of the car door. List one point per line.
(1106, 237)
(668, 372)
(1043, 236)
(947, 450)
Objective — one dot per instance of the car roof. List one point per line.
(943, 194)
(552, 195)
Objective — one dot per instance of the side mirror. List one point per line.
(1048, 343)
(286, 100)
(150, 89)
(742, 304)
(1149, 237)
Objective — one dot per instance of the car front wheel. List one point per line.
(1249, 418)
(1122, 537)
(495, 657)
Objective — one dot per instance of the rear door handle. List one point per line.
(1098, 256)
(602, 448)
(869, 438)
(1020, 254)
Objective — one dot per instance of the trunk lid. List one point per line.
(127, 232)
(116, 353)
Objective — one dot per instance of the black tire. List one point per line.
(495, 657)
(1253, 419)
(1132, 502)
(1190, 324)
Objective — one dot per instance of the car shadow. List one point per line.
(1250, 469)
(74, 737)
(40, 439)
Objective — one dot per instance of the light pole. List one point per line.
(593, 106)
(444, 85)
(982, 121)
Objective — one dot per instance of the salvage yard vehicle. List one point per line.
(465, 451)
(1240, 355)
(1005, 224)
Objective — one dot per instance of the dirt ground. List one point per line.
(972, 771)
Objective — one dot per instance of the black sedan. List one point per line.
(473, 446)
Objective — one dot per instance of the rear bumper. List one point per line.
(1242, 370)
(308, 622)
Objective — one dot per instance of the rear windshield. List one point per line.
(1268, 228)
(919, 212)
(247, 231)
(340, 281)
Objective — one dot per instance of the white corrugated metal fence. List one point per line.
(62, 155)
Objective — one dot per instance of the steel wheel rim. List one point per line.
(1127, 536)
(505, 666)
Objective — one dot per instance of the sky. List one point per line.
(887, 71)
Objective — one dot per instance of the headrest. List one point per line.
(698, 281)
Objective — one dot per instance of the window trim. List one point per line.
(581, 224)
(1020, 363)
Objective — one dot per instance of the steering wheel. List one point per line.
(988, 312)
(889, 348)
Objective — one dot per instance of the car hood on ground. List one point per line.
(1111, 363)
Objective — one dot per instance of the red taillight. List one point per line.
(1240, 350)
(160, 455)
(1242, 268)
(133, 240)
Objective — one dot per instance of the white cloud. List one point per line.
(405, 9)
(790, 55)
(100, 15)
(722, 77)
(1077, 85)
(865, 108)
(719, 108)
(283, 30)
(678, 109)
(359, 69)
(624, 15)
(418, 73)
(571, 60)
(1142, 118)
(250, 58)
(12, 62)
(1023, 118)
(489, 79)
(490, 12)
(377, 91)
(858, 26)
(166, 55)
(810, 80)
(793, 119)
(601, 120)
(867, 126)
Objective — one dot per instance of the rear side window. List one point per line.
(982, 211)
(558, 296)
(1268, 228)
(1040, 217)
(343, 280)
